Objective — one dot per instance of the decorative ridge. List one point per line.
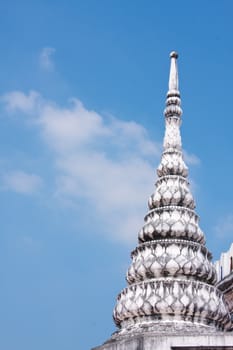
(169, 207)
(172, 150)
(174, 176)
(171, 240)
(170, 279)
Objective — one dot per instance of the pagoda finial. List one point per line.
(173, 102)
(173, 112)
(173, 78)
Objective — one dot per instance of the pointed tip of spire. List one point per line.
(173, 95)
(173, 78)
(174, 54)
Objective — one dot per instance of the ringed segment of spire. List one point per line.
(173, 103)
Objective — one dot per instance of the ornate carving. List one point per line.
(172, 163)
(176, 258)
(171, 276)
(171, 222)
(168, 298)
(171, 190)
(172, 138)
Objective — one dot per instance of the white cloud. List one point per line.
(102, 161)
(116, 190)
(66, 129)
(45, 58)
(21, 182)
(191, 159)
(18, 101)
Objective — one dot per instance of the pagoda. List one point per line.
(171, 300)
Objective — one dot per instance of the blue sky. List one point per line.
(83, 86)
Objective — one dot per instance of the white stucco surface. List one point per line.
(223, 265)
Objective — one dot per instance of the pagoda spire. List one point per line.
(171, 278)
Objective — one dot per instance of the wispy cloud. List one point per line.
(21, 182)
(191, 158)
(107, 163)
(46, 58)
(18, 101)
(224, 227)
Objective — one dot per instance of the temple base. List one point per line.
(191, 342)
(179, 337)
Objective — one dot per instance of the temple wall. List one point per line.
(224, 265)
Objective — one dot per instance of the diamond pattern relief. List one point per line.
(169, 258)
(172, 163)
(171, 190)
(175, 222)
(165, 297)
